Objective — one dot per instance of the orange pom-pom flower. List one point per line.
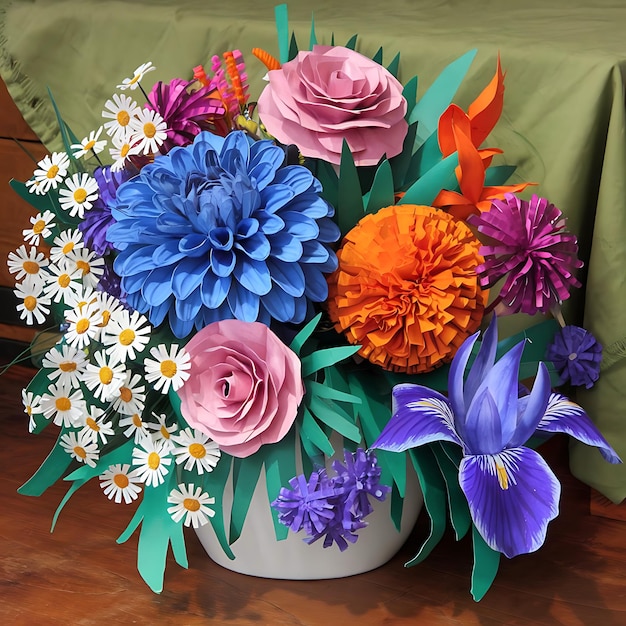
(406, 287)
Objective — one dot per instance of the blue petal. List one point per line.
(483, 425)
(286, 247)
(223, 262)
(195, 245)
(253, 276)
(214, 290)
(167, 253)
(265, 159)
(269, 223)
(243, 303)
(134, 284)
(158, 313)
(279, 305)
(235, 152)
(512, 497)
(456, 377)
(188, 309)
(328, 231)
(421, 415)
(276, 197)
(188, 276)
(316, 286)
(300, 226)
(180, 328)
(297, 177)
(318, 253)
(257, 246)
(157, 287)
(288, 276)
(134, 260)
(484, 361)
(565, 416)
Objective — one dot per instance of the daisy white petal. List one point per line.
(42, 225)
(66, 363)
(90, 264)
(191, 504)
(33, 305)
(66, 243)
(167, 369)
(131, 396)
(96, 426)
(120, 110)
(83, 325)
(196, 451)
(126, 335)
(120, 482)
(80, 448)
(109, 307)
(148, 131)
(91, 143)
(135, 427)
(62, 282)
(133, 82)
(79, 194)
(51, 171)
(104, 377)
(152, 460)
(23, 263)
(32, 407)
(161, 429)
(122, 149)
(64, 405)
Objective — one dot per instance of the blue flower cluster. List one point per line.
(222, 229)
(333, 507)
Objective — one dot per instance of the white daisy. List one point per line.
(35, 186)
(66, 363)
(148, 131)
(192, 504)
(161, 429)
(195, 450)
(23, 264)
(63, 404)
(152, 460)
(34, 306)
(121, 150)
(135, 427)
(80, 194)
(62, 282)
(104, 377)
(96, 427)
(118, 482)
(126, 335)
(66, 243)
(90, 264)
(131, 396)
(32, 407)
(120, 110)
(167, 369)
(83, 325)
(51, 171)
(133, 82)
(108, 306)
(85, 295)
(80, 447)
(42, 225)
(91, 143)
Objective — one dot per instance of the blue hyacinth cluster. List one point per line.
(222, 229)
(333, 507)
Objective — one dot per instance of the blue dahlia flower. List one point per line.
(221, 229)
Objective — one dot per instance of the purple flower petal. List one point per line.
(512, 497)
(577, 356)
(564, 416)
(421, 416)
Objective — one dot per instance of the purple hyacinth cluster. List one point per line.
(333, 507)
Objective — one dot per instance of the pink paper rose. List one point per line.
(330, 94)
(244, 387)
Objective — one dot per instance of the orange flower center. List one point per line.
(52, 172)
(38, 227)
(197, 451)
(30, 303)
(168, 368)
(191, 504)
(127, 336)
(80, 195)
(154, 460)
(63, 404)
(123, 118)
(121, 481)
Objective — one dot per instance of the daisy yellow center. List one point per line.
(168, 368)
(126, 394)
(154, 460)
(68, 247)
(191, 504)
(31, 267)
(83, 266)
(68, 366)
(121, 481)
(64, 280)
(149, 130)
(80, 452)
(124, 150)
(38, 227)
(106, 375)
(91, 422)
(137, 421)
(30, 303)
(106, 317)
(29, 410)
(52, 172)
(89, 145)
(82, 326)
(123, 118)
(503, 478)
(80, 195)
(164, 432)
(127, 336)
(63, 404)
(134, 79)
(197, 450)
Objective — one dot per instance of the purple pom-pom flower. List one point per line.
(577, 355)
(532, 249)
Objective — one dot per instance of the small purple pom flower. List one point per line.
(532, 249)
(577, 355)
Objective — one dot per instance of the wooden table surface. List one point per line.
(79, 576)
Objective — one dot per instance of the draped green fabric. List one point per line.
(563, 122)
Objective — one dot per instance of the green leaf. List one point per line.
(300, 339)
(351, 43)
(486, 563)
(424, 158)
(335, 417)
(400, 164)
(439, 95)
(40, 203)
(215, 484)
(293, 47)
(246, 474)
(378, 57)
(314, 439)
(330, 182)
(312, 36)
(328, 392)
(327, 356)
(65, 134)
(441, 176)
(498, 174)
(433, 487)
(410, 95)
(282, 32)
(394, 66)
(381, 193)
(350, 200)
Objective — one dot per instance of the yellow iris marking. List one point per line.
(503, 477)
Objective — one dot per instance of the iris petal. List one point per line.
(512, 497)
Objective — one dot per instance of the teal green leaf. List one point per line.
(433, 488)
(246, 474)
(334, 416)
(486, 563)
(328, 392)
(293, 47)
(351, 43)
(282, 32)
(215, 484)
(304, 334)
(400, 164)
(66, 136)
(424, 158)
(441, 176)
(314, 440)
(40, 203)
(439, 95)
(381, 193)
(378, 57)
(410, 95)
(498, 174)
(312, 36)
(394, 66)
(324, 358)
(350, 201)
(330, 182)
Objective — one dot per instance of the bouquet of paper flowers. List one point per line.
(243, 281)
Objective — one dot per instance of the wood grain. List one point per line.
(78, 575)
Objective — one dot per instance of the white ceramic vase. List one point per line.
(259, 553)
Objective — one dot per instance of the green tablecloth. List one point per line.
(563, 122)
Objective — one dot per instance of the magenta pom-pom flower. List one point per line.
(531, 248)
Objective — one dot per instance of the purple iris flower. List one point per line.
(511, 491)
